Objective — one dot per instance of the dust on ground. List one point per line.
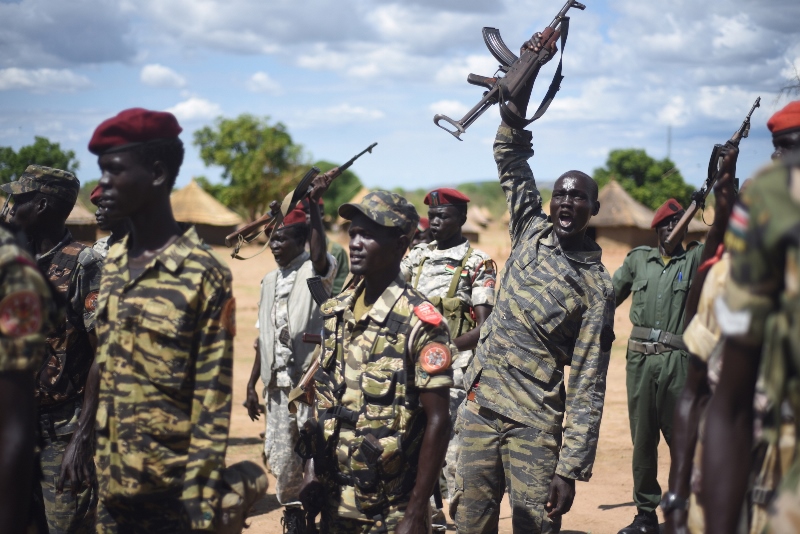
(603, 505)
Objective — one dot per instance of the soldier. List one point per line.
(555, 307)
(26, 317)
(286, 311)
(382, 399)
(423, 233)
(161, 384)
(702, 337)
(43, 199)
(117, 229)
(334, 249)
(758, 316)
(459, 280)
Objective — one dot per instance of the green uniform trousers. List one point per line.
(67, 512)
(655, 382)
(499, 455)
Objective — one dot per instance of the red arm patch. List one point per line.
(20, 314)
(427, 313)
(435, 358)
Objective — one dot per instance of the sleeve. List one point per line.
(432, 341)
(88, 287)
(211, 404)
(586, 391)
(623, 280)
(328, 277)
(25, 302)
(409, 264)
(512, 150)
(484, 278)
(342, 268)
(703, 333)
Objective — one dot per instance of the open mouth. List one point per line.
(565, 220)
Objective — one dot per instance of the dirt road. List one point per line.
(603, 505)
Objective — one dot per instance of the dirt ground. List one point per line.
(603, 505)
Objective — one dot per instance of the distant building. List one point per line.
(213, 221)
(82, 224)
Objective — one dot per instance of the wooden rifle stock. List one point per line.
(249, 228)
(670, 242)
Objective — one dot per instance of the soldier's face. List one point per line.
(23, 213)
(446, 222)
(785, 143)
(284, 246)
(571, 206)
(665, 228)
(125, 183)
(373, 248)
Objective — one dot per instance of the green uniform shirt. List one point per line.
(342, 265)
(554, 308)
(166, 360)
(659, 291)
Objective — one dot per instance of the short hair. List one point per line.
(593, 191)
(168, 151)
(58, 207)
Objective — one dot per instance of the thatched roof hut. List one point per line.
(82, 224)
(213, 221)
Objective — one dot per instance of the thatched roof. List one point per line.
(80, 216)
(195, 206)
(476, 217)
(619, 210)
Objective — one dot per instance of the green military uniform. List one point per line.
(342, 265)
(553, 308)
(73, 270)
(656, 359)
(165, 361)
(762, 304)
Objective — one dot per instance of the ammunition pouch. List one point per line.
(457, 314)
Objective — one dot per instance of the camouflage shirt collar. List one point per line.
(171, 257)
(590, 255)
(50, 254)
(380, 310)
(454, 253)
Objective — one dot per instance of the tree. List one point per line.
(41, 152)
(341, 190)
(647, 180)
(260, 161)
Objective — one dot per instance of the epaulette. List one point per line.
(643, 247)
(692, 245)
(334, 305)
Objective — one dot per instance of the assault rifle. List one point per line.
(274, 217)
(518, 71)
(714, 172)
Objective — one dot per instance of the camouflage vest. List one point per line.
(455, 311)
(378, 444)
(63, 375)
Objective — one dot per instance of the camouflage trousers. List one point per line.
(333, 523)
(457, 397)
(65, 512)
(164, 513)
(499, 455)
(282, 433)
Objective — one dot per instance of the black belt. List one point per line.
(654, 340)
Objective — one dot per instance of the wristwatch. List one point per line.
(671, 502)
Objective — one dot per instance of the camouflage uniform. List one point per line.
(553, 308)
(165, 360)
(656, 370)
(762, 303)
(430, 271)
(74, 270)
(102, 245)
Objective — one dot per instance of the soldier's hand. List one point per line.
(724, 194)
(562, 493)
(535, 44)
(254, 408)
(676, 522)
(77, 465)
(321, 183)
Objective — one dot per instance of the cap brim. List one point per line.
(349, 211)
(12, 188)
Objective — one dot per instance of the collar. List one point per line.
(456, 253)
(590, 255)
(655, 255)
(380, 309)
(47, 256)
(171, 257)
(299, 260)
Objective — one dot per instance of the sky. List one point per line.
(343, 74)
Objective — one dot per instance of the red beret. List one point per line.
(95, 195)
(786, 119)
(423, 224)
(666, 210)
(295, 216)
(133, 127)
(445, 195)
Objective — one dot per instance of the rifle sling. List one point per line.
(517, 122)
(451, 292)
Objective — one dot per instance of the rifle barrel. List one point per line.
(354, 158)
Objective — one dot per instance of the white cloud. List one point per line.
(195, 108)
(156, 75)
(338, 114)
(42, 80)
(261, 82)
(452, 108)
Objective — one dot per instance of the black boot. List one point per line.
(643, 523)
(294, 520)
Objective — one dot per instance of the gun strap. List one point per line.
(451, 292)
(517, 122)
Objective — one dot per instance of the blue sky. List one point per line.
(343, 74)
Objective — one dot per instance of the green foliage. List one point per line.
(41, 152)
(260, 161)
(86, 190)
(647, 180)
(341, 190)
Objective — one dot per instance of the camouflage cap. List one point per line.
(386, 209)
(45, 180)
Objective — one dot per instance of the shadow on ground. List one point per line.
(235, 442)
(612, 506)
(265, 505)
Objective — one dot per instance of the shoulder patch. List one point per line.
(228, 316)
(643, 247)
(489, 283)
(489, 266)
(20, 314)
(90, 303)
(428, 314)
(435, 358)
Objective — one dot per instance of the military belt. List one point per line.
(761, 496)
(344, 414)
(654, 337)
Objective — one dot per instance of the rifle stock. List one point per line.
(670, 241)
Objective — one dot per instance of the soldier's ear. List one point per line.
(596, 208)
